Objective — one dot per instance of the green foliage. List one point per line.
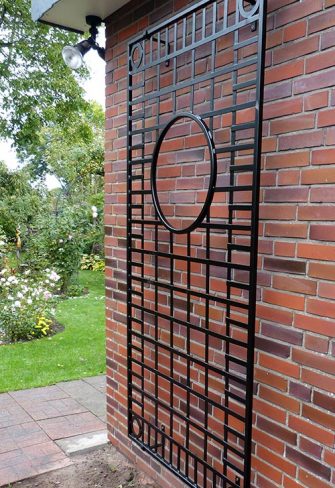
(57, 242)
(92, 262)
(26, 305)
(20, 202)
(77, 352)
(37, 89)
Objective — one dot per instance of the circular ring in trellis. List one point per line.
(136, 55)
(248, 13)
(136, 426)
(212, 177)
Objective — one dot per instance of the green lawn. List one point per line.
(76, 352)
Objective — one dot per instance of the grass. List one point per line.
(77, 352)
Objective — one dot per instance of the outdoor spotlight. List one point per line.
(74, 55)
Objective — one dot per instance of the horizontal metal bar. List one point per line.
(193, 81)
(242, 168)
(210, 262)
(245, 126)
(235, 148)
(141, 161)
(236, 188)
(186, 291)
(196, 393)
(232, 227)
(191, 422)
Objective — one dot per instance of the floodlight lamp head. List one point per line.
(74, 55)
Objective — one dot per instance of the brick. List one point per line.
(322, 270)
(284, 334)
(305, 427)
(309, 463)
(285, 249)
(323, 156)
(316, 251)
(281, 212)
(301, 141)
(319, 417)
(276, 461)
(310, 447)
(274, 397)
(275, 348)
(320, 380)
(322, 232)
(295, 302)
(311, 481)
(315, 324)
(324, 401)
(321, 22)
(316, 343)
(295, 31)
(324, 195)
(316, 176)
(320, 61)
(300, 391)
(271, 379)
(296, 49)
(285, 265)
(328, 39)
(287, 160)
(297, 11)
(316, 212)
(286, 230)
(285, 195)
(327, 290)
(316, 81)
(288, 178)
(326, 118)
(285, 71)
(297, 285)
(279, 365)
(313, 360)
(292, 124)
(283, 108)
(313, 101)
(277, 431)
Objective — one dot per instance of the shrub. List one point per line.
(26, 305)
(92, 262)
(57, 242)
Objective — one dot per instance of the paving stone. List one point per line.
(98, 382)
(40, 410)
(95, 403)
(19, 436)
(83, 443)
(42, 394)
(71, 425)
(27, 462)
(12, 414)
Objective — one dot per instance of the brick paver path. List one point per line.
(32, 420)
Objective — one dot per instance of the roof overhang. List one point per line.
(71, 14)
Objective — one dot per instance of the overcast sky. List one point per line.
(95, 90)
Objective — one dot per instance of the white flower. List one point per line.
(47, 295)
(17, 304)
(94, 209)
(10, 297)
(70, 237)
(54, 276)
(27, 273)
(29, 301)
(60, 241)
(60, 249)
(19, 295)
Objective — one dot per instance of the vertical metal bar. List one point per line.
(129, 254)
(254, 235)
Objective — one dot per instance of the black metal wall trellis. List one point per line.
(192, 291)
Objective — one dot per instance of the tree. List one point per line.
(74, 155)
(37, 89)
(20, 201)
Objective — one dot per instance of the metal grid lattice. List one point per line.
(192, 288)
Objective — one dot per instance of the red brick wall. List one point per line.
(295, 404)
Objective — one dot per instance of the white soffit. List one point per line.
(70, 14)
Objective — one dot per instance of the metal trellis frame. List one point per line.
(191, 290)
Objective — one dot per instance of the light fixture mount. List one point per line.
(73, 55)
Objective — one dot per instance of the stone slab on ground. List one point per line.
(83, 443)
(32, 420)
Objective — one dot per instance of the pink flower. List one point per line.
(47, 295)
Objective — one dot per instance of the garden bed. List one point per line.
(77, 352)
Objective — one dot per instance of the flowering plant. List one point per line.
(26, 305)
